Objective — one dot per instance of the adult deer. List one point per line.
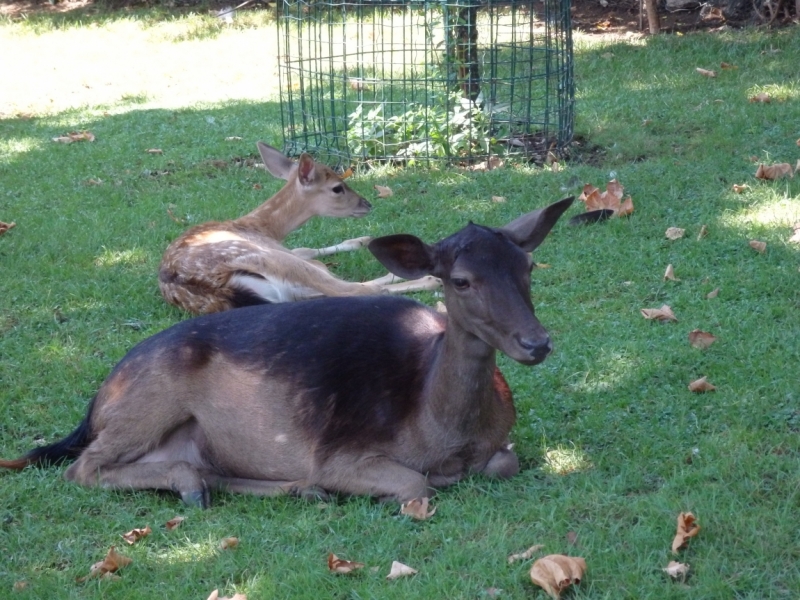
(373, 395)
(222, 265)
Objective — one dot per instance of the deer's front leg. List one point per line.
(376, 476)
(503, 464)
(346, 246)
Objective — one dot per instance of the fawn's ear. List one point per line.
(404, 255)
(275, 162)
(305, 169)
(529, 230)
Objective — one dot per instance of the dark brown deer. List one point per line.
(222, 265)
(377, 395)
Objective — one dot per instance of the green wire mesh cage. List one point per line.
(459, 81)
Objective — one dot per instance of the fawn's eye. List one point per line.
(339, 189)
(459, 284)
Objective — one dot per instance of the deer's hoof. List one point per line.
(197, 498)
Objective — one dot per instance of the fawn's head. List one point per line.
(486, 277)
(316, 184)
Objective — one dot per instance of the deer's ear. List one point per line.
(305, 169)
(404, 255)
(275, 162)
(529, 230)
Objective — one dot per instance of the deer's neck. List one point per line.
(462, 384)
(278, 216)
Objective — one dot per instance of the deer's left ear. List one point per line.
(305, 169)
(529, 230)
(404, 255)
(276, 163)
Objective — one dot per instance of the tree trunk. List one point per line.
(652, 17)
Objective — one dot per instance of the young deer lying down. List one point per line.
(373, 395)
(221, 265)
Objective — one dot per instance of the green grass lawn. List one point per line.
(612, 443)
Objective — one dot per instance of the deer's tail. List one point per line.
(68, 448)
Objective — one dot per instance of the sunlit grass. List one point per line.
(562, 461)
(121, 257)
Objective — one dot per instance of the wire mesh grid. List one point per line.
(420, 81)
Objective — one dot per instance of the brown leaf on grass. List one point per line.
(106, 567)
(611, 199)
(173, 217)
(417, 509)
(20, 585)
(229, 543)
(724, 65)
(762, 97)
(154, 151)
(669, 274)
(556, 572)
(6, 226)
(687, 528)
(494, 162)
(776, 171)
(706, 72)
(674, 233)
(702, 233)
(758, 246)
(94, 182)
(677, 570)
(174, 523)
(339, 565)
(75, 136)
(659, 314)
(701, 339)
(384, 191)
(713, 293)
(233, 138)
(738, 189)
(525, 555)
(215, 596)
(798, 142)
(400, 570)
(498, 198)
(701, 385)
(572, 538)
(134, 535)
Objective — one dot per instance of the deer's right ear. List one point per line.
(404, 255)
(275, 162)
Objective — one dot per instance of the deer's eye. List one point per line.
(339, 189)
(459, 284)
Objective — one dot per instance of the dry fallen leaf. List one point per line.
(494, 162)
(776, 171)
(134, 535)
(701, 339)
(556, 572)
(659, 314)
(525, 555)
(154, 151)
(6, 226)
(228, 543)
(417, 508)
(110, 564)
(669, 274)
(20, 585)
(687, 528)
(798, 142)
(724, 65)
(498, 198)
(762, 97)
(758, 246)
(713, 293)
(677, 570)
(400, 570)
(174, 523)
(75, 136)
(383, 191)
(215, 596)
(674, 233)
(702, 233)
(233, 138)
(706, 72)
(348, 172)
(611, 199)
(701, 385)
(738, 189)
(339, 565)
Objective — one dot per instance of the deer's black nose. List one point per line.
(538, 348)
